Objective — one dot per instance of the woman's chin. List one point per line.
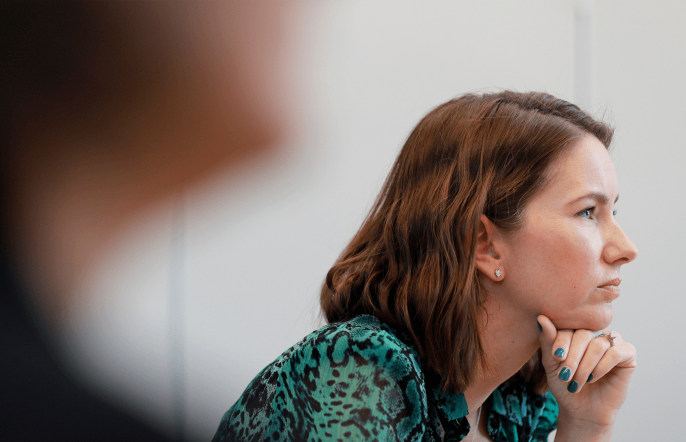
(597, 319)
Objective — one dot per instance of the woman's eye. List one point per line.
(587, 212)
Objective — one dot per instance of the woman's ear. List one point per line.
(488, 260)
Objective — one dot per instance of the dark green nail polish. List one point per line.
(590, 378)
(564, 374)
(560, 352)
(539, 325)
(572, 387)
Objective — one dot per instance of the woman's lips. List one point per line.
(611, 287)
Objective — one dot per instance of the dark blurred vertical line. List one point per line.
(176, 318)
(583, 52)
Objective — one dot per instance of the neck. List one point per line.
(509, 337)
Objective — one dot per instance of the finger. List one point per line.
(561, 344)
(577, 348)
(622, 355)
(547, 338)
(548, 330)
(584, 372)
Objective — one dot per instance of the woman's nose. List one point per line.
(619, 249)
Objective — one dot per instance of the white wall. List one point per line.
(641, 68)
(257, 244)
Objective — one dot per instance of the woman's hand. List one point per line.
(589, 379)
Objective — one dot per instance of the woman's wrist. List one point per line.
(570, 429)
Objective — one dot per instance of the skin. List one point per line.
(561, 268)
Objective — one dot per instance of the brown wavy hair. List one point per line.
(412, 263)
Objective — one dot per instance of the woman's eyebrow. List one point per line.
(598, 196)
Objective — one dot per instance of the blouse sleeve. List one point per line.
(369, 387)
(337, 384)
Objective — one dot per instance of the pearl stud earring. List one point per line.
(498, 273)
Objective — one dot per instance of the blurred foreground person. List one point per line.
(105, 108)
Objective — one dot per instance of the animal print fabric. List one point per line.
(362, 380)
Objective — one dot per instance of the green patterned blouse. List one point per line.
(362, 380)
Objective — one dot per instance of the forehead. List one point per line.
(584, 168)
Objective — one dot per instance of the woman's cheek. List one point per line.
(565, 307)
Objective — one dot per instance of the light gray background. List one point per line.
(231, 269)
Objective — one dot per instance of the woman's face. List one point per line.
(565, 260)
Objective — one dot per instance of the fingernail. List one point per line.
(539, 325)
(572, 387)
(590, 378)
(564, 374)
(560, 352)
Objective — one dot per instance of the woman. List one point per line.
(498, 213)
